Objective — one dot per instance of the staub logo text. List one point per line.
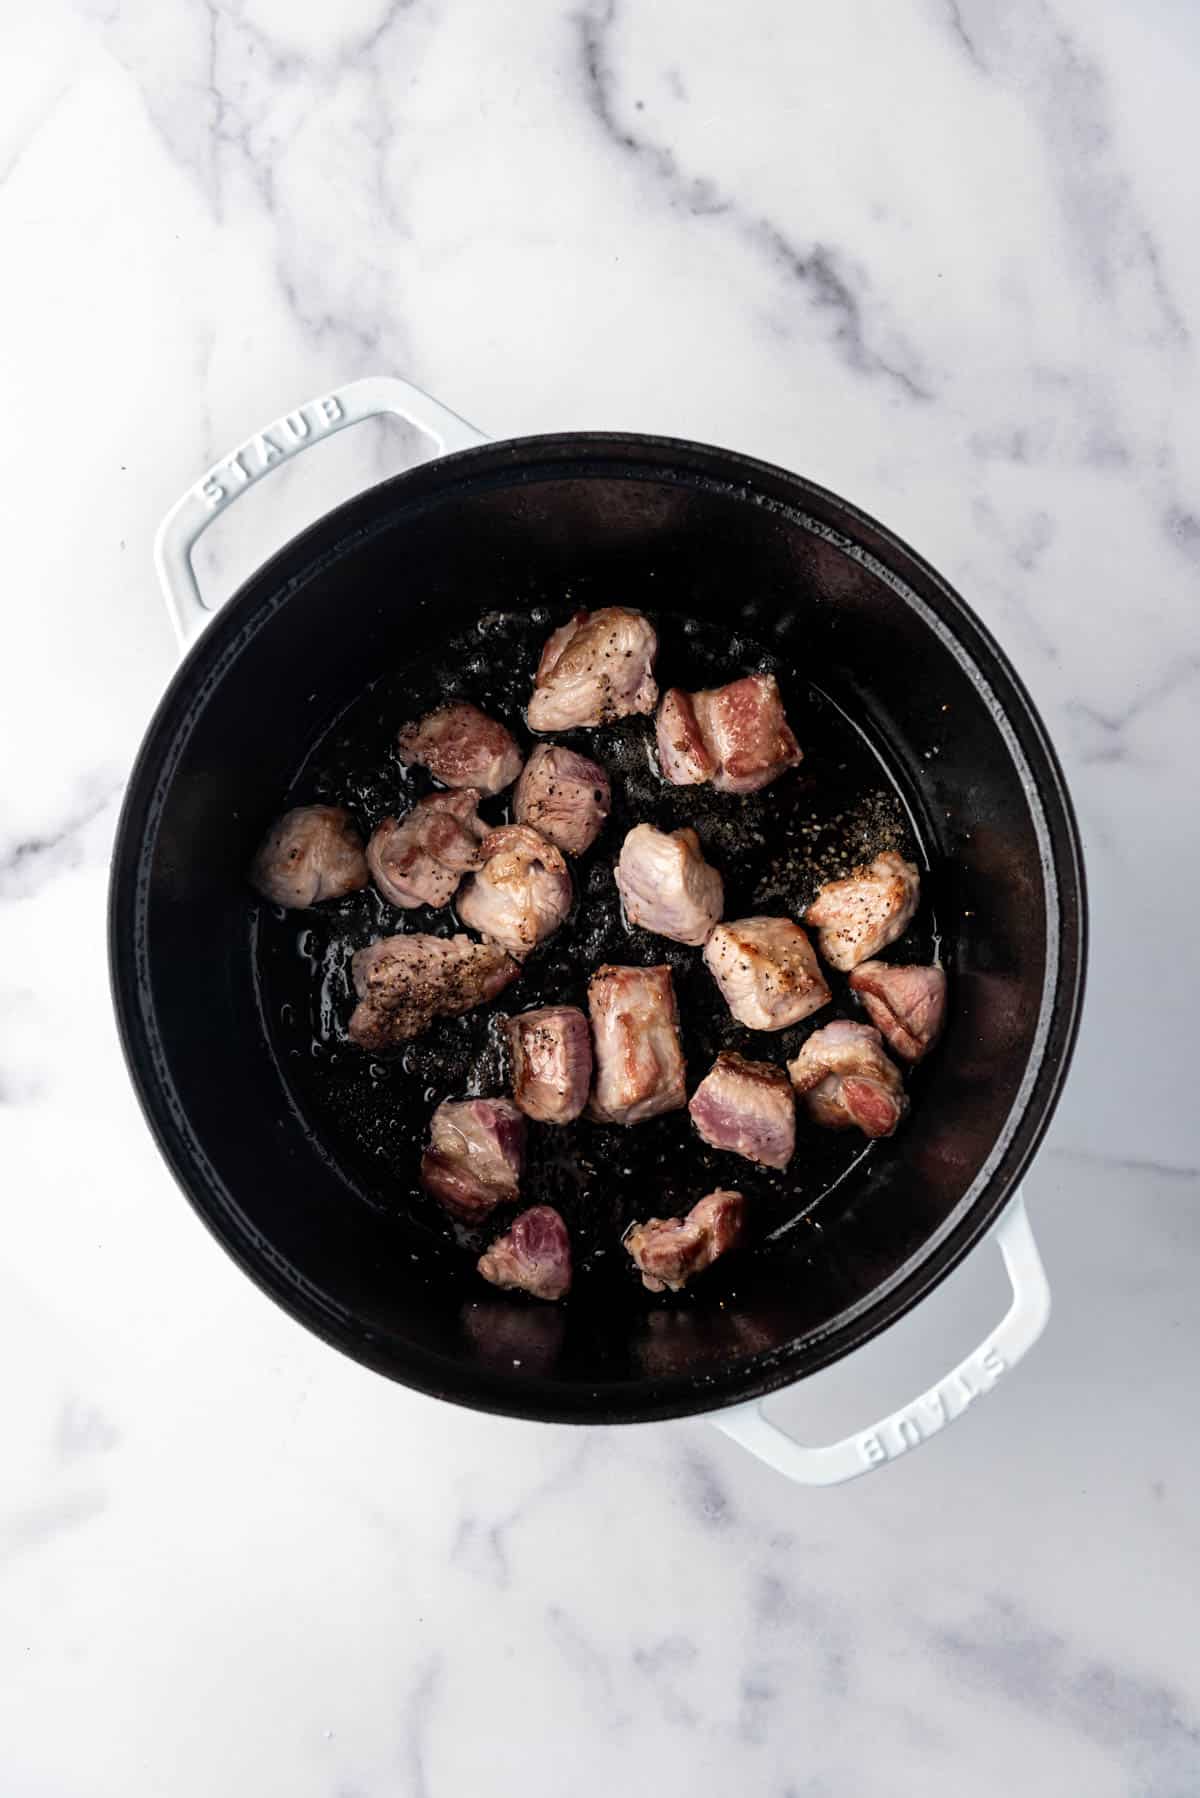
(934, 1409)
(275, 444)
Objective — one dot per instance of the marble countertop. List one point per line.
(941, 258)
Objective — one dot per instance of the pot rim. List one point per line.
(338, 531)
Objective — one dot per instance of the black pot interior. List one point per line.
(891, 683)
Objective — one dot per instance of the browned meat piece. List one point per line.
(861, 914)
(312, 853)
(522, 891)
(419, 859)
(767, 970)
(669, 1250)
(404, 982)
(848, 1081)
(475, 1155)
(682, 752)
(635, 1027)
(596, 667)
(552, 1062)
(462, 747)
(666, 886)
(907, 1004)
(746, 1107)
(737, 736)
(564, 795)
(534, 1257)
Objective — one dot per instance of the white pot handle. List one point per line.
(915, 1423)
(187, 520)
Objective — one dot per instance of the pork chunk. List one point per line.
(635, 1028)
(312, 853)
(907, 1004)
(534, 1257)
(564, 795)
(683, 754)
(746, 1107)
(404, 982)
(864, 912)
(462, 747)
(420, 859)
(667, 1251)
(522, 891)
(767, 971)
(596, 667)
(551, 1062)
(847, 1080)
(735, 736)
(475, 1155)
(666, 886)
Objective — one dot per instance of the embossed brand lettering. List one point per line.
(963, 1387)
(934, 1409)
(282, 439)
(908, 1433)
(936, 1406)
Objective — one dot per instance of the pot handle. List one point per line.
(943, 1403)
(229, 478)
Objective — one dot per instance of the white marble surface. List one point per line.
(941, 257)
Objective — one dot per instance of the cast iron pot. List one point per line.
(367, 588)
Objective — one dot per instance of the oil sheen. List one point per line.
(839, 808)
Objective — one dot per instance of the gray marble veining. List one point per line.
(941, 258)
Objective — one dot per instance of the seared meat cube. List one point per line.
(737, 736)
(635, 1027)
(861, 914)
(907, 1004)
(462, 747)
(312, 853)
(419, 859)
(669, 1250)
(564, 795)
(552, 1062)
(534, 1257)
(746, 1107)
(767, 970)
(666, 886)
(597, 667)
(404, 982)
(475, 1155)
(522, 891)
(682, 752)
(848, 1081)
